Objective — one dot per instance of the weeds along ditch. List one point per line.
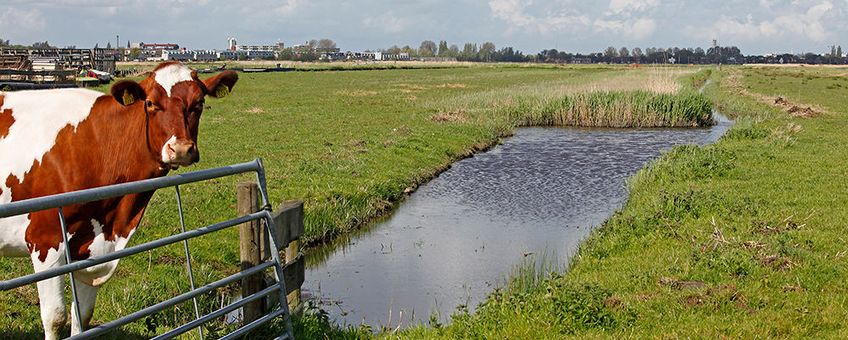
(350, 144)
(739, 239)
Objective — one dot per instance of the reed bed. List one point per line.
(617, 110)
(637, 98)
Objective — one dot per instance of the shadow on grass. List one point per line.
(37, 333)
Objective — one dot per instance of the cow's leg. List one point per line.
(87, 295)
(51, 295)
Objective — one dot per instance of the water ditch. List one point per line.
(461, 235)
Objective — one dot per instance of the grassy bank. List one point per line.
(348, 143)
(740, 239)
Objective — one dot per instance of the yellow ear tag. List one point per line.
(128, 98)
(221, 91)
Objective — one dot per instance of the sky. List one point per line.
(755, 26)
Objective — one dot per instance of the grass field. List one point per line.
(348, 143)
(740, 239)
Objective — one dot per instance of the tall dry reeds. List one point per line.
(633, 98)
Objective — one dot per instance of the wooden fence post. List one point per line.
(288, 219)
(291, 254)
(249, 249)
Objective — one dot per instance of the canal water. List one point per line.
(461, 235)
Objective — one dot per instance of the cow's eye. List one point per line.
(151, 107)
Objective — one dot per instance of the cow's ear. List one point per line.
(127, 92)
(221, 84)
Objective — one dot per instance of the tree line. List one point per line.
(36, 45)
(835, 57)
(485, 52)
(650, 55)
(488, 52)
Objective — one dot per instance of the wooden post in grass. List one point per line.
(291, 255)
(288, 219)
(249, 249)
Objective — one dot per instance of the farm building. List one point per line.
(69, 58)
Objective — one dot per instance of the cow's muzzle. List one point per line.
(176, 153)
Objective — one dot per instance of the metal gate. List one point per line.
(263, 214)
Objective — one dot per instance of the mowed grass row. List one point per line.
(347, 143)
(740, 239)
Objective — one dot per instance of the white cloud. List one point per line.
(619, 23)
(388, 22)
(514, 13)
(791, 24)
(13, 20)
(511, 11)
(288, 7)
(628, 6)
(638, 29)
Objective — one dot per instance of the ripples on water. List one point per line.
(460, 235)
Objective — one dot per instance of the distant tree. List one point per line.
(108, 45)
(623, 53)
(326, 45)
(41, 44)
(96, 45)
(453, 51)
(5, 43)
(409, 50)
(812, 58)
(469, 52)
(839, 51)
(637, 53)
(286, 54)
(443, 48)
(427, 48)
(610, 53)
(486, 51)
(312, 44)
(393, 50)
(134, 53)
(550, 56)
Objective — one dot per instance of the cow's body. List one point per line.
(71, 139)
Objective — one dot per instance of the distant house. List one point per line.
(205, 55)
(232, 55)
(387, 56)
(178, 55)
(261, 48)
(261, 54)
(153, 52)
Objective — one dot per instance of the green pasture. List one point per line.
(741, 239)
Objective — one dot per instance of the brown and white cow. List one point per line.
(63, 140)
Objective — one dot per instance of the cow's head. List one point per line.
(173, 98)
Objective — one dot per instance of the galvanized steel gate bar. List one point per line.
(95, 194)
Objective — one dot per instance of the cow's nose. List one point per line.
(195, 154)
(185, 152)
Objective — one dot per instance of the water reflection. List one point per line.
(460, 235)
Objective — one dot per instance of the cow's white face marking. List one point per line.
(170, 75)
(168, 153)
(39, 116)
